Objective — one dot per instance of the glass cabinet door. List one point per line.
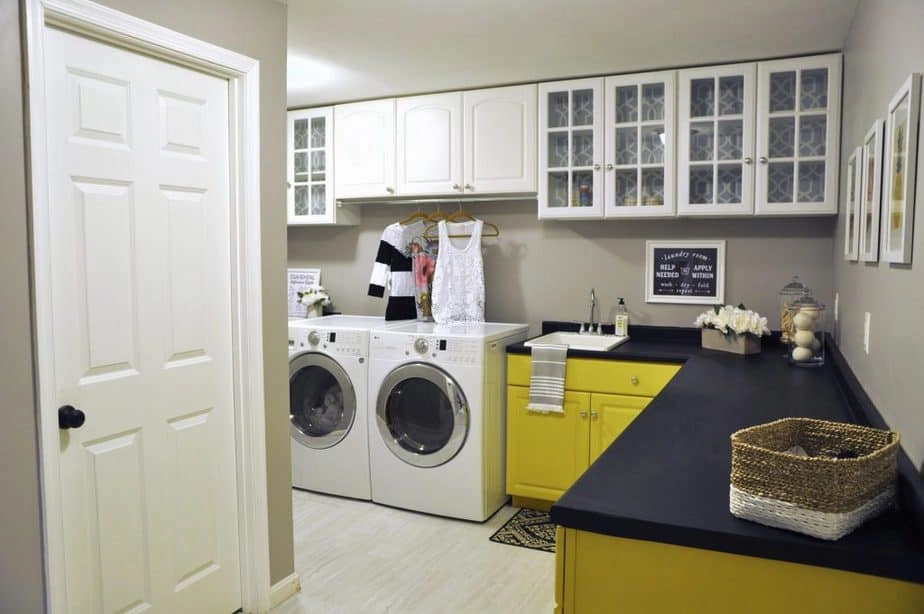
(570, 149)
(639, 120)
(797, 135)
(309, 172)
(716, 165)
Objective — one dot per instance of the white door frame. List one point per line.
(243, 76)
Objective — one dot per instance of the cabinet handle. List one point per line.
(609, 167)
(749, 160)
(634, 380)
(456, 186)
(583, 413)
(468, 186)
(763, 159)
(390, 190)
(596, 167)
(593, 415)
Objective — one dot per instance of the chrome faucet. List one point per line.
(592, 329)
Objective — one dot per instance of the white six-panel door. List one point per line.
(139, 227)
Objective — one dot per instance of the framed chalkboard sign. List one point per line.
(685, 272)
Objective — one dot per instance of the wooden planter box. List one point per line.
(736, 344)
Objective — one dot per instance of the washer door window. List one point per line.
(322, 402)
(422, 414)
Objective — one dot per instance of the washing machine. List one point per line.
(328, 377)
(437, 420)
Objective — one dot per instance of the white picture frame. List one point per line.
(299, 280)
(851, 206)
(685, 272)
(901, 138)
(870, 193)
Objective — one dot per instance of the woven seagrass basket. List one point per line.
(819, 494)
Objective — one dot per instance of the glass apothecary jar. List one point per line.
(808, 324)
(789, 295)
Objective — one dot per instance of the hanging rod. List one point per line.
(435, 200)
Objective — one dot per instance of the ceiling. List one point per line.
(360, 49)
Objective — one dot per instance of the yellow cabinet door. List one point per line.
(546, 452)
(610, 414)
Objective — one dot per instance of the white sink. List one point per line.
(576, 341)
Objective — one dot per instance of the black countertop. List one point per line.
(666, 478)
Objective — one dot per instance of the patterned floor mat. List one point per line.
(528, 529)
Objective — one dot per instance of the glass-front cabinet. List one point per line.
(716, 140)
(798, 111)
(309, 170)
(639, 145)
(571, 149)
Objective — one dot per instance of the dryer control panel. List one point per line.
(429, 348)
(338, 342)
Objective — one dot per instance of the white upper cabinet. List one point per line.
(499, 140)
(639, 145)
(364, 133)
(430, 144)
(716, 140)
(310, 170)
(571, 149)
(798, 128)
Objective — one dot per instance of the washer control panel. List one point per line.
(340, 342)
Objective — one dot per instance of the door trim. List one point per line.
(243, 76)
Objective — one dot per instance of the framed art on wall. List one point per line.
(851, 219)
(900, 167)
(870, 189)
(685, 272)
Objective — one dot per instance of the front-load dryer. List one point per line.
(328, 377)
(437, 418)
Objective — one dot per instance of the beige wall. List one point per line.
(256, 28)
(884, 45)
(544, 270)
(21, 578)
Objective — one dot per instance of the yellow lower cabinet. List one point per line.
(546, 452)
(601, 574)
(610, 414)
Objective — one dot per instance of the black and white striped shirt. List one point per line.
(393, 266)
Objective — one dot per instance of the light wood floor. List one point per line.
(356, 557)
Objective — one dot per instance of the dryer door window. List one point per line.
(322, 402)
(422, 415)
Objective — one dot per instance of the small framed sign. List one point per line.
(299, 281)
(685, 272)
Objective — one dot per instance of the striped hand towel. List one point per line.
(547, 378)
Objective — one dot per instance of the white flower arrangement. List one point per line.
(731, 320)
(314, 297)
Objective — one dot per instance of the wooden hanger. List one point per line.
(461, 215)
(417, 215)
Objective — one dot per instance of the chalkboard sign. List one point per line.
(685, 272)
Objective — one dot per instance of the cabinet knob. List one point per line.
(456, 186)
(634, 380)
(749, 160)
(609, 167)
(593, 415)
(469, 186)
(583, 413)
(596, 167)
(390, 190)
(763, 159)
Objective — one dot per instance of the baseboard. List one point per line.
(285, 588)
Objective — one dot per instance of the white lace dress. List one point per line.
(458, 283)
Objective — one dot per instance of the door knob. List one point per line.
(69, 417)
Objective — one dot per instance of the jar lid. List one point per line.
(806, 300)
(794, 288)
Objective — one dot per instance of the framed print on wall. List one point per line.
(685, 272)
(900, 167)
(851, 217)
(870, 191)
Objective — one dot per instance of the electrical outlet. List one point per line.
(866, 332)
(837, 300)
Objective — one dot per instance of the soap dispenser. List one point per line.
(621, 321)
